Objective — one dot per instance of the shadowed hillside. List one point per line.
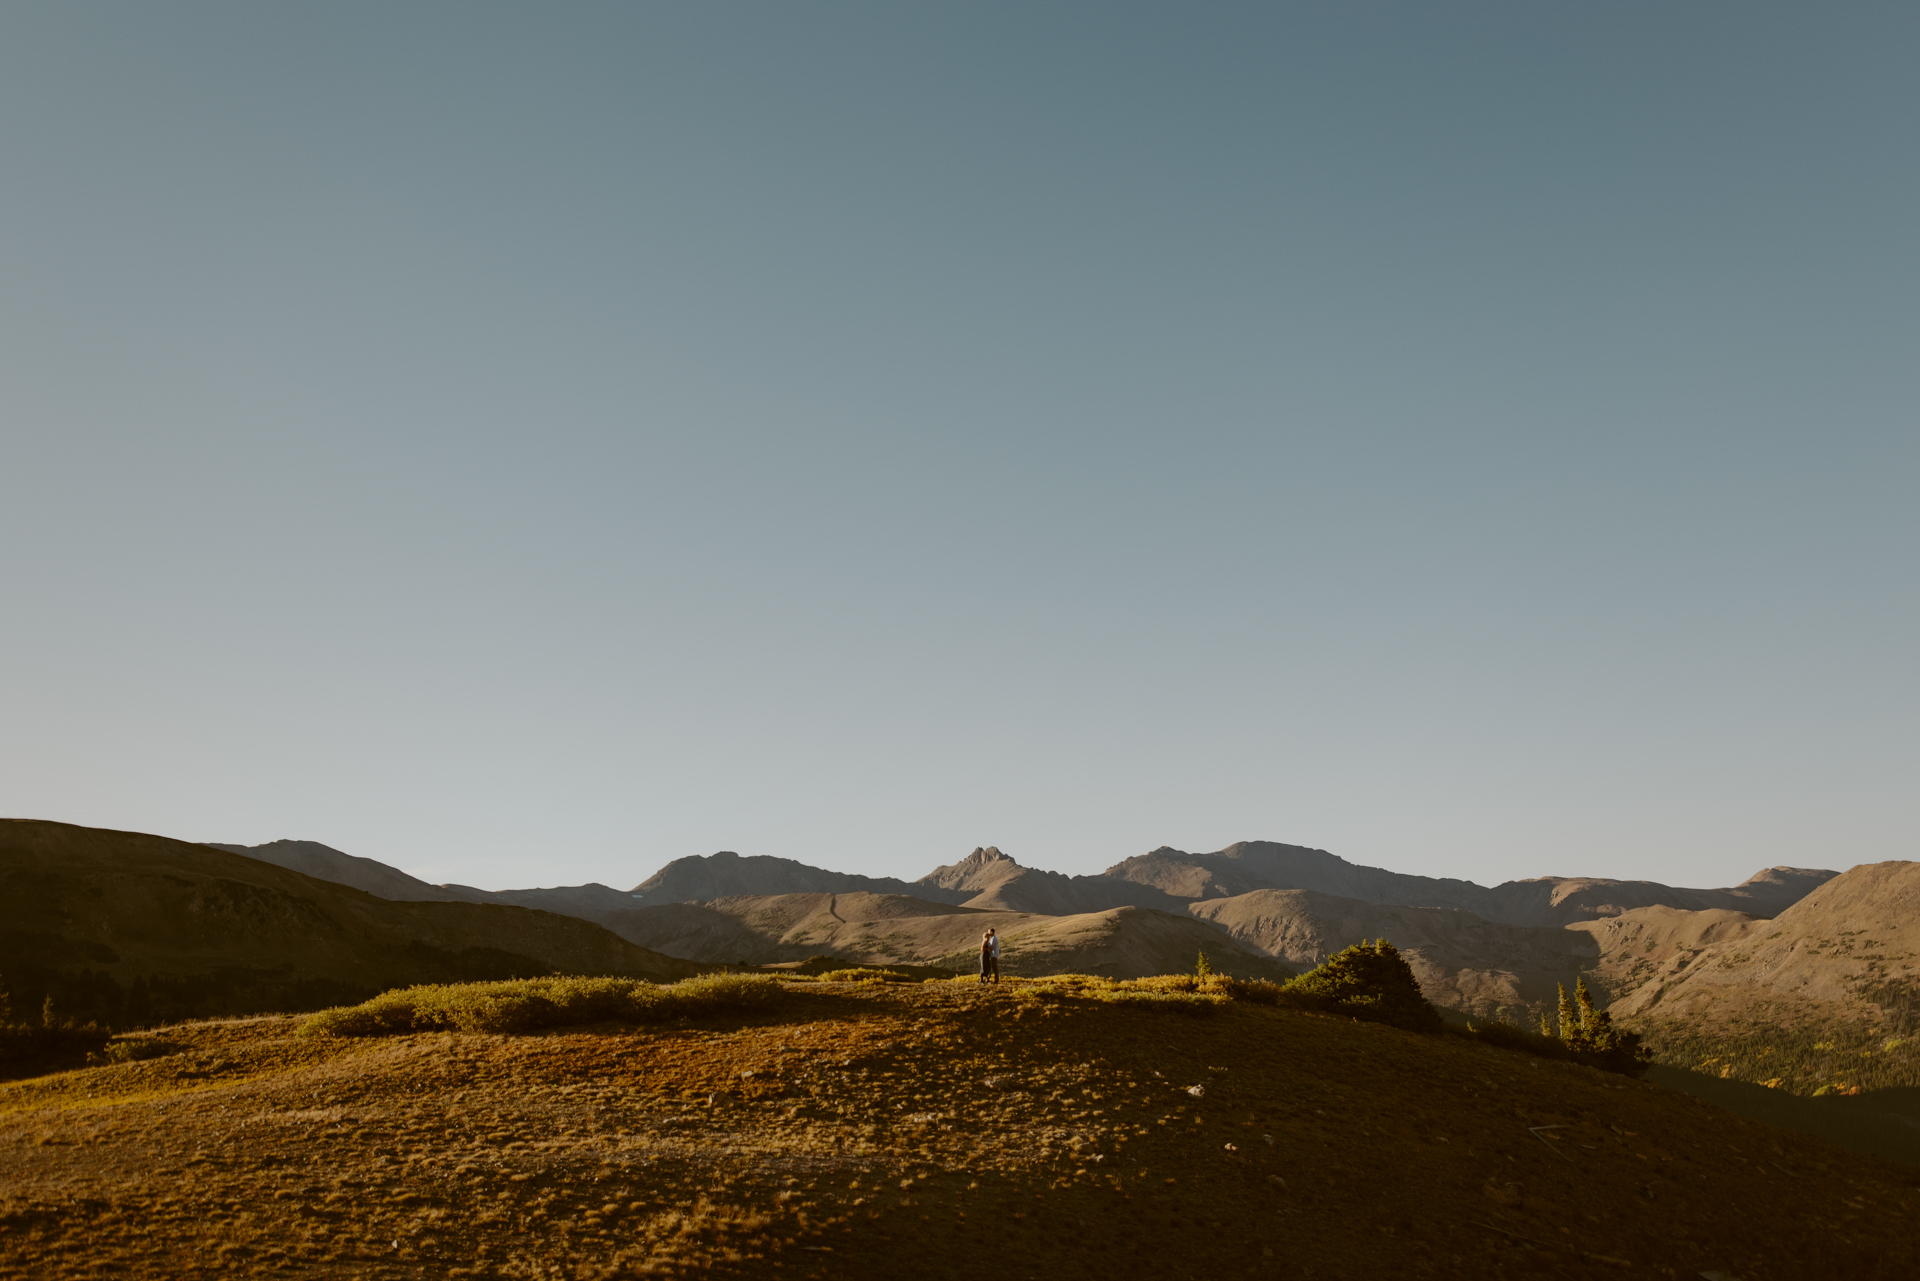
(858, 1132)
(311, 858)
(129, 929)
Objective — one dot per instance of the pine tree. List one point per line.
(6, 1003)
(1202, 968)
(1590, 1032)
(1371, 981)
(1569, 1021)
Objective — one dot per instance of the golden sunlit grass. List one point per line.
(529, 1005)
(1064, 1128)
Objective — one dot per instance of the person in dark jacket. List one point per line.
(989, 956)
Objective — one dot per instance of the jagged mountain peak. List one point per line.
(984, 854)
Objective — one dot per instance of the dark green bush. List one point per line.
(1369, 981)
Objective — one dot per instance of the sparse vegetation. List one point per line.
(863, 974)
(1785, 1053)
(529, 1005)
(883, 1130)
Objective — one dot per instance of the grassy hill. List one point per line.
(931, 1130)
(132, 929)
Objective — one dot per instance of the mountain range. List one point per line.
(1263, 907)
(1810, 946)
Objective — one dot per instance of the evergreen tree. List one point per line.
(6, 1003)
(1371, 981)
(1202, 968)
(1590, 1033)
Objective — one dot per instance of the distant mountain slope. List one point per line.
(991, 880)
(323, 862)
(1132, 942)
(592, 901)
(1500, 950)
(1562, 900)
(1257, 865)
(885, 928)
(1252, 865)
(126, 927)
(729, 875)
(763, 928)
(1851, 948)
(1464, 962)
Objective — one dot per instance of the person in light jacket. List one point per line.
(989, 956)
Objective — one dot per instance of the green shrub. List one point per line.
(528, 1005)
(1369, 981)
(861, 974)
(1249, 991)
(131, 1049)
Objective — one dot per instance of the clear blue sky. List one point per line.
(526, 444)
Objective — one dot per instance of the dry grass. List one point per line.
(863, 974)
(930, 1130)
(530, 1005)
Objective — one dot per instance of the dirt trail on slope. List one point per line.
(941, 1130)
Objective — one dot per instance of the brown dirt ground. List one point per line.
(943, 1130)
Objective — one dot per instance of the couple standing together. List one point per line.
(989, 956)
